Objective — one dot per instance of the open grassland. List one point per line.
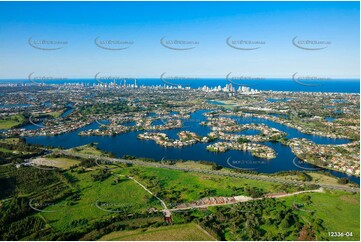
(98, 199)
(5, 150)
(62, 163)
(183, 232)
(93, 196)
(229, 104)
(89, 149)
(340, 212)
(11, 121)
(324, 179)
(10, 141)
(178, 186)
(316, 177)
(55, 114)
(193, 165)
(102, 198)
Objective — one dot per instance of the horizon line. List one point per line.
(178, 77)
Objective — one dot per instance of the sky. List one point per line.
(278, 30)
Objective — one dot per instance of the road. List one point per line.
(246, 200)
(147, 190)
(243, 199)
(220, 173)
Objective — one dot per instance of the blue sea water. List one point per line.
(334, 85)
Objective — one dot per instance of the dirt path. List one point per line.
(211, 172)
(241, 199)
(147, 190)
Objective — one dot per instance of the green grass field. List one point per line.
(5, 150)
(119, 195)
(191, 186)
(65, 163)
(193, 165)
(55, 114)
(98, 199)
(320, 178)
(340, 212)
(12, 141)
(11, 121)
(183, 232)
(127, 195)
(89, 150)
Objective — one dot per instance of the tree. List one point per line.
(216, 167)
(343, 181)
(285, 224)
(242, 140)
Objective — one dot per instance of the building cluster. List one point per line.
(140, 123)
(220, 127)
(257, 150)
(344, 158)
(61, 126)
(230, 89)
(185, 138)
(208, 201)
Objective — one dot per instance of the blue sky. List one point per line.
(209, 23)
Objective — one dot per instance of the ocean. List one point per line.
(334, 85)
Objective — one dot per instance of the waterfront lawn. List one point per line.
(55, 114)
(10, 141)
(194, 165)
(11, 121)
(90, 149)
(181, 232)
(315, 177)
(323, 179)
